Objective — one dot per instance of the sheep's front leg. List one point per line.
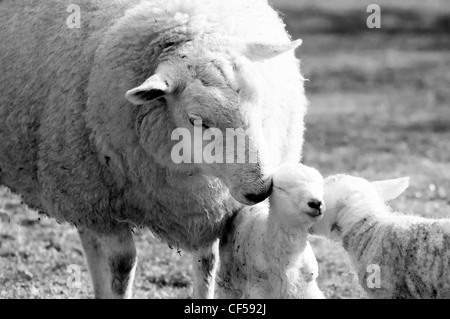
(112, 262)
(205, 262)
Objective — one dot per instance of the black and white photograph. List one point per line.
(224, 149)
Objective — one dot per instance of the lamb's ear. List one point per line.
(392, 188)
(261, 51)
(153, 88)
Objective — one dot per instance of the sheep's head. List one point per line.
(297, 196)
(343, 191)
(219, 95)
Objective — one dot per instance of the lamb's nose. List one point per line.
(315, 204)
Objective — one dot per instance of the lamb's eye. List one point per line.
(218, 68)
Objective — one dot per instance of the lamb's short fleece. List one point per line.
(395, 255)
(266, 253)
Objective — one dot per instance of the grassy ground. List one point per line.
(380, 108)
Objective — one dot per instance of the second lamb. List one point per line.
(265, 253)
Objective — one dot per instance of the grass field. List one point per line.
(380, 108)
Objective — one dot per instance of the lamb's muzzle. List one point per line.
(318, 206)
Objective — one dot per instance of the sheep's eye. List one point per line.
(198, 122)
(192, 121)
(205, 83)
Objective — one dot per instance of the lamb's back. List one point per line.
(411, 255)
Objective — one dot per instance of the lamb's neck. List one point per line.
(283, 248)
(347, 217)
(356, 224)
(283, 243)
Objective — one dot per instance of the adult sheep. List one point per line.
(76, 149)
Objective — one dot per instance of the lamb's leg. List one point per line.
(313, 291)
(205, 262)
(112, 262)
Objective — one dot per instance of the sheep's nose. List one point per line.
(259, 197)
(316, 204)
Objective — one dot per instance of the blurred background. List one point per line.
(380, 108)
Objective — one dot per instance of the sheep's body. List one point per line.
(395, 255)
(264, 256)
(74, 148)
(68, 141)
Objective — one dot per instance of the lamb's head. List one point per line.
(215, 98)
(297, 197)
(345, 191)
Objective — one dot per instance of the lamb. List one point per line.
(87, 116)
(266, 253)
(395, 255)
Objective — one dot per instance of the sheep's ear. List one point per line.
(261, 51)
(392, 188)
(153, 88)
